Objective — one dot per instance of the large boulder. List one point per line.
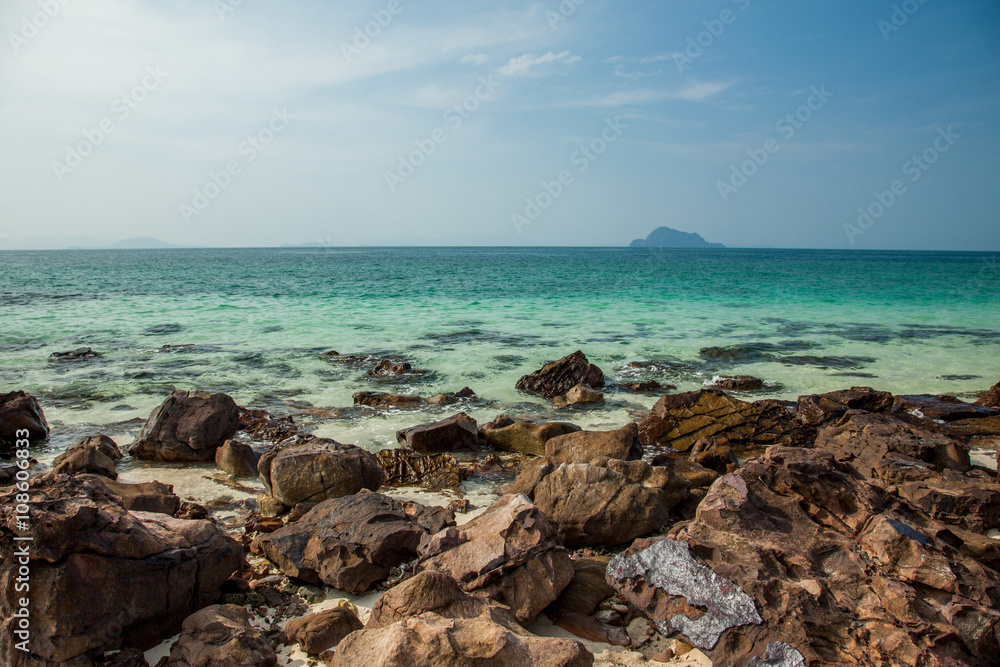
(606, 502)
(349, 543)
(404, 467)
(678, 421)
(799, 549)
(317, 471)
(583, 446)
(510, 553)
(428, 591)
(557, 378)
(142, 497)
(95, 454)
(991, 399)
(187, 428)
(20, 412)
(818, 409)
(318, 632)
(221, 636)
(101, 577)
(525, 437)
(237, 458)
(458, 433)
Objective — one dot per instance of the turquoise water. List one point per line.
(807, 321)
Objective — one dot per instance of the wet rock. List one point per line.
(221, 636)
(143, 497)
(580, 394)
(510, 553)
(714, 453)
(428, 591)
(524, 436)
(389, 368)
(820, 409)
(736, 382)
(455, 434)
(378, 399)
(557, 378)
(20, 412)
(106, 578)
(349, 543)
(74, 355)
(95, 454)
(318, 470)
(584, 446)
(317, 632)
(236, 458)
(262, 425)
(943, 408)
(404, 467)
(187, 428)
(678, 421)
(646, 387)
(991, 399)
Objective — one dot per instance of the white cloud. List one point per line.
(524, 64)
(476, 59)
(701, 90)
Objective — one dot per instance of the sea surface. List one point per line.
(255, 322)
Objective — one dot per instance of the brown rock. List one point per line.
(389, 368)
(187, 428)
(221, 636)
(714, 453)
(583, 446)
(458, 433)
(20, 411)
(262, 425)
(317, 632)
(378, 399)
(428, 591)
(820, 409)
(404, 467)
(680, 420)
(524, 436)
(510, 553)
(991, 399)
(646, 387)
(737, 383)
(318, 470)
(580, 394)
(557, 378)
(89, 455)
(943, 408)
(586, 590)
(143, 497)
(238, 459)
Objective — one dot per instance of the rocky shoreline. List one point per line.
(853, 527)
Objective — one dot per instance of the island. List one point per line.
(665, 237)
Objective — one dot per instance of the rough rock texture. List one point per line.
(818, 409)
(645, 387)
(580, 394)
(378, 399)
(490, 640)
(586, 591)
(680, 420)
(221, 636)
(943, 408)
(317, 632)
(142, 497)
(557, 378)
(605, 502)
(524, 436)
(458, 433)
(839, 569)
(404, 467)
(236, 458)
(737, 382)
(106, 577)
(187, 428)
(714, 453)
(583, 446)
(991, 399)
(96, 454)
(428, 591)
(349, 543)
(318, 470)
(262, 425)
(510, 552)
(18, 411)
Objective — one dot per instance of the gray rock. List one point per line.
(779, 654)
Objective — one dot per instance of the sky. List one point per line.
(864, 124)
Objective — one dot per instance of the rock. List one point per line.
(102, 577)
(428, 591)
(270, 506)
(389, 368)
(991, 399)
(8, 473)
(942, 408)
(378, 399)
(73, 355)
(557, 378)
(433, 519)
(348, 543)
(187, 428)
(404, 467)
(129, 657)
(714, 453)
(489, 640)
(20, 412)
(510, 553)
(606, 502)
(317, 632)
(678, 421)
(696, 475)
(863, 439)
(236, 458)
(646, 387)
(457, 433)
(261, 425)
(96, 455)
(318, 470)
(524, 436)
(580, 394)
(778, 654)
(221, 636)
(586, 590)
(838, 568)
(583, 446)
(144, 497)
(736, 382)
(820, 409)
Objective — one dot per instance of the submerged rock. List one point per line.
(458, 433)
(221, 636)
(524, 436)
(262, 425)
(378, 399)
(736, 382)
(20, 412)
(318, 470)
(557, 378)
(187, 428)
(73, 355)
(580, 394)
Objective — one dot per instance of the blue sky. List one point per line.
(587, 123)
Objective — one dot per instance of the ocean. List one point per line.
(253, 323)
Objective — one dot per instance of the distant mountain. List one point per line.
(665, 237)
(142, 243)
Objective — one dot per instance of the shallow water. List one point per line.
(257, 320)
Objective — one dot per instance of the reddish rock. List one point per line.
(714, 453)
(143, 497)
(262, 425)
(524, 436)
(991, 399)
(736, 383)
(238, 459)
(819, 409)
(458, 433)
(378, 399)
(95, 455)
(646, 387)
(221, 636)
(318, 470)
(580, 394)
(557, 378)
(429, 591)
(20, 412)
(187, 428)
(404, 467)
(583, 446)
(318, 632)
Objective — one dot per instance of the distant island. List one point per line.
(665, 237)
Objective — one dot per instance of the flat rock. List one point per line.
(318, 470)
(558, 377)
(187, 428)
(429, 591)
(381, 400)
(820, 409)
(221, 636)
(943, 408)
(323, 630)
(583, 446)
(458, 433)
(736, 382)
(142, 497)
(524, 436)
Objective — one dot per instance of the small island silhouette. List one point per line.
(665, 237)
